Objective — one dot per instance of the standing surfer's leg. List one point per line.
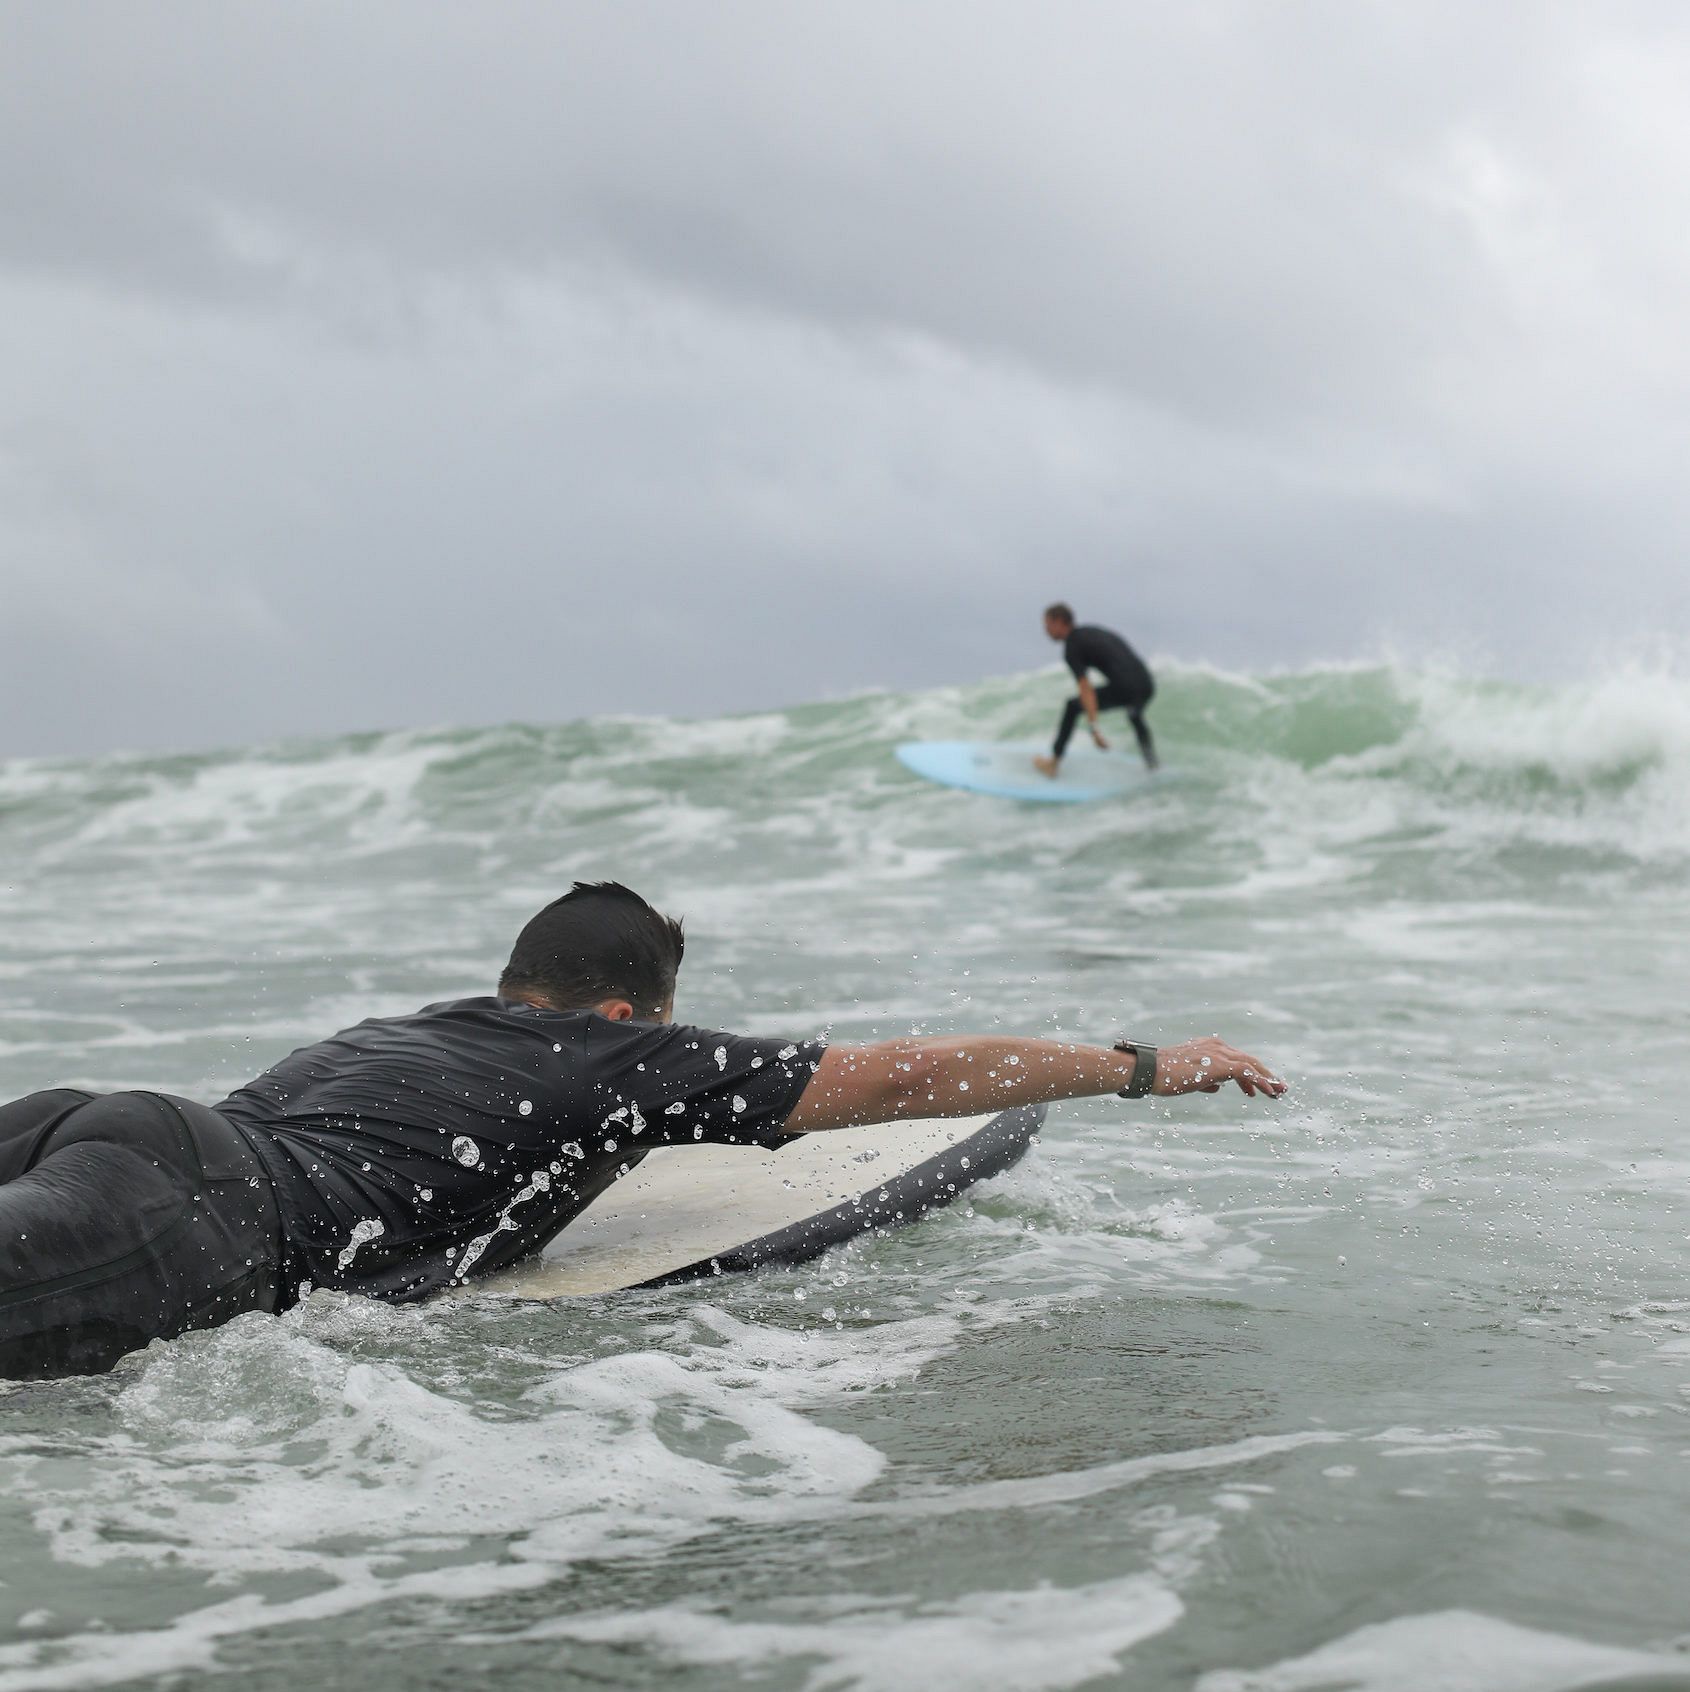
(1064, 733)
(1146, 745)
(1065, 729)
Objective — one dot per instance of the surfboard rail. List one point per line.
(1003, 769)
(904, 1198)
(684, 1213)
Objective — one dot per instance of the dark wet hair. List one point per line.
(600, 941)
(1061, 612)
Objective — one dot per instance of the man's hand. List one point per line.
(1205, 1066)
(1097, 738)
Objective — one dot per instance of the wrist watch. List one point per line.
(1144, 1068)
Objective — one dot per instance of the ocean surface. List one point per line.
(1384, 1386)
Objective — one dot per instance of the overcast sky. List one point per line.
(376, 364)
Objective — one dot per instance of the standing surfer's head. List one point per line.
(1059, 620)
(600, 947)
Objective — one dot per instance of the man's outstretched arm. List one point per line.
(971, 1075)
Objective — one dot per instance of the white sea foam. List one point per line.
(1629, 719)
(1030, 1641)
(1044, 1490)
(191, 1641)
(223, 801)
(1458, 1651)
(589, 1470)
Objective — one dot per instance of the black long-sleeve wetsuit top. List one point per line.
(412, 1151)
(1089, 647)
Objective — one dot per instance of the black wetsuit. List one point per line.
(125, 1218)
(1127, 683)
(400, 1157)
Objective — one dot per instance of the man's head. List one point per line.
(1059, 620)
(600, 947)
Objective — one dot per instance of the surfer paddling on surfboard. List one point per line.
(414, 1153)
(1127, 683)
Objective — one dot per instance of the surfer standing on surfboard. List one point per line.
(1127, 683)
(414, 1153)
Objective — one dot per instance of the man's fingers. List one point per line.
(1205, 1066)
(1259, 1073)
(1252, 1075)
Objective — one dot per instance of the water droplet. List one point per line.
(526, 1108)
(362, 1233)
(467, 1152)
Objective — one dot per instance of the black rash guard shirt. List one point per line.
(412, 1152)
(1089, 647)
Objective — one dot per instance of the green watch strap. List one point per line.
(1144, 1068)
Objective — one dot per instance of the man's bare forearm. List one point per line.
(964, 1075)
(968, 1072)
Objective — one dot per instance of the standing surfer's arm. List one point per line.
(970, 1074)
(1088, 699)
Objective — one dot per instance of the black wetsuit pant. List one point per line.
(125, 1218)
(1109, 697)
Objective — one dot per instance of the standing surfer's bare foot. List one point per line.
(1045, 766)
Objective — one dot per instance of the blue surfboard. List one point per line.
(1004, 769)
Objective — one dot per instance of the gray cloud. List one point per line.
(383, 364)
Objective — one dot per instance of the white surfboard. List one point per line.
(685, 1212)
(1004, 769)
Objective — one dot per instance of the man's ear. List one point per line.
(617, 1010)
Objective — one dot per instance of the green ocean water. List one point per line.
(1386, 1385)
